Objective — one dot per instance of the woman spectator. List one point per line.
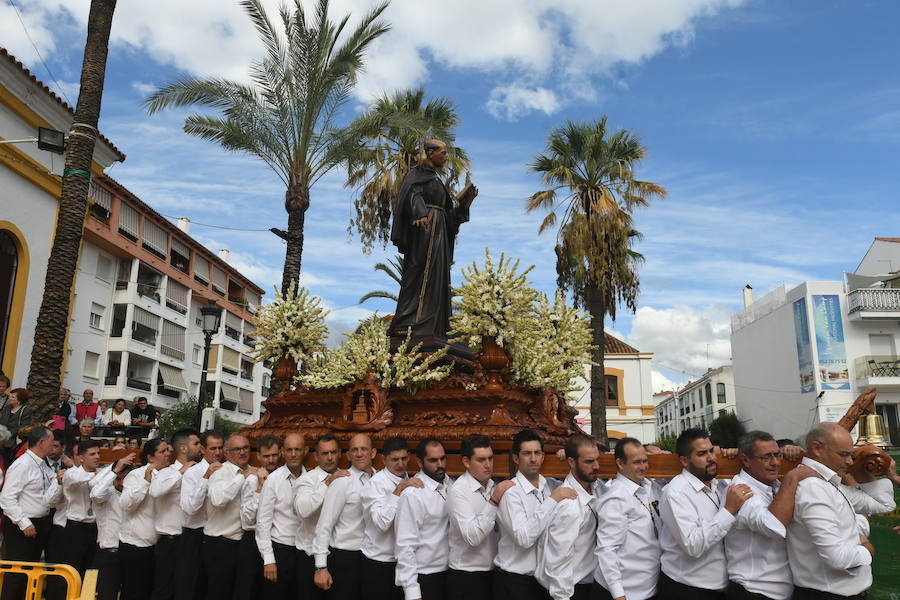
(14, 416)
(118, 415)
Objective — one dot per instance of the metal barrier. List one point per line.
(37, 572)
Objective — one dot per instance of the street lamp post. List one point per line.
(211, 315)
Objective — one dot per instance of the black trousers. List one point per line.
(19, 547)
(376, 579)
(810, 594)
(736, 591)
(285, 585)
(473, 585)
(248, 577)
(344, 568)
(55, 552)
(512, 586)
(669, 589)
(220, 557)
(306, 570)
(603, 594)
(139, 561)
(110, 570)
(81, 543)
(166, 553)
(433, 586)
(190, 574)
(587, 591)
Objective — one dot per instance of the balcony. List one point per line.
(878, 370)
(874, 304)
(138, 384)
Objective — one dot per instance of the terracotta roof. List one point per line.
(12, 59)
(616, 346)
(888, 239)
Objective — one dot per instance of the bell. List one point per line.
(872, 431)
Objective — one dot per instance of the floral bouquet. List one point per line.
(292, 325)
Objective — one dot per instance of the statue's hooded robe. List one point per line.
(423, 305)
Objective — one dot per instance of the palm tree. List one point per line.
(285, 115)
(53, 316)
(393, 269)
(391, 133)
(595, 260)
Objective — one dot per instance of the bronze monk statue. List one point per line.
(424, 230)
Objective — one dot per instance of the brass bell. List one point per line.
(872, 431)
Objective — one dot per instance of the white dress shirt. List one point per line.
(755, 547)
(379, 507)
(276, 520)
(628, 524)
(423, 533)
(473, 532)
(566, 552)
(76, 487)
(694, 523)
(138, 510)
(107, 508)
(249, 502)
(223, 503)
(192, 496)
(523, 516)
(28, 489)
(58, 503)
(823, 537)
(165, 489)
(340, 522)
(309, 493)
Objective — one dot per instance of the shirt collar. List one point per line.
(526, 485)
(430, 484)
(393, 478)
(472, 484)
(583, 496)
(357, 473)
(629, 486)
(694, 482)
(745, 477)
(826, 473)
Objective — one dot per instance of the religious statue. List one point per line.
(426, 221)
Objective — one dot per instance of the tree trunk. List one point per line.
(296, 202)
(53, 318)
(597, 309)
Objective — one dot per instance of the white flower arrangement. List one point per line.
(367, 352)
(292, 325)
(491, 301)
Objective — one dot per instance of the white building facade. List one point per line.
(698, 403)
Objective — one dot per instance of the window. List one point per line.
(119, 311)
(128, 222)
(91, 362)
(201, 269)
(231, 361)
(266, 381)
(180, 256)
(219, 281)
(708, 388)
(124, 274)
(197, 355)
(176, 296)
(172, 340)
(104, 268)
(101, 201)
(246, 368)
(612, 390)
(156, 240)
(9, 267)
(720, 392)
(96, 319)
(144, 327)
(722, 412)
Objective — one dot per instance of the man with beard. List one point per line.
(248, 582)
(627, 528)
(566, 555)
(422, 527)
(523, 516)
(165, 489)
(106, 491)
(697, 512)
(380, 498)
(339, 532)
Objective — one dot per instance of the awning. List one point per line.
(172, 378)
(230, 393)
(855, 282)
(246, 405)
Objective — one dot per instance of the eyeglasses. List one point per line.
(240, 449)
(770, 456)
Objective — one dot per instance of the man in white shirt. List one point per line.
(697, 512)
(81, 526)
(106, 490)
(28, 487)
(277, 523)
(57, 549)
(628, 526)
(339, 531)
(523, 516)
(472, 506)
(566, 555)
(423, 528)
(137, 535)
(190, 576)
(222, 533)
(165, 489)
(380, 498)
(829, 553)
(248, 582)
(308, 496)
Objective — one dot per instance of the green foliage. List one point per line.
(667, 442)
(183, 415)
(726, 430)
(394, 270)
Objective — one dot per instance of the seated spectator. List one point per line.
(118, 415)
(14, 416)
(134, 443)
(104, 444)
(142, 414)
(86, 409)
(63, 412)
(119, 442)
(85, 433)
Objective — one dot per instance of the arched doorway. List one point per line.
(9, 267)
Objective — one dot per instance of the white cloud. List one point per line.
(511, 102)
(660, 382)
(144, 89)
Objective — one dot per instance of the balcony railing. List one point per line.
(164, 391)
(111, 380)
(877, 300)
(233, 333)
(877, 365)
(138, 384)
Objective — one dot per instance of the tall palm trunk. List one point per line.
(296, 202)
(53, 317)
(597, 309)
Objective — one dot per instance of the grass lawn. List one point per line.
(886, 566)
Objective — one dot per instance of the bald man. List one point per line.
(829, 553)
(339, 531)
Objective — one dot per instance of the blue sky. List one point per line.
(774, 126)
